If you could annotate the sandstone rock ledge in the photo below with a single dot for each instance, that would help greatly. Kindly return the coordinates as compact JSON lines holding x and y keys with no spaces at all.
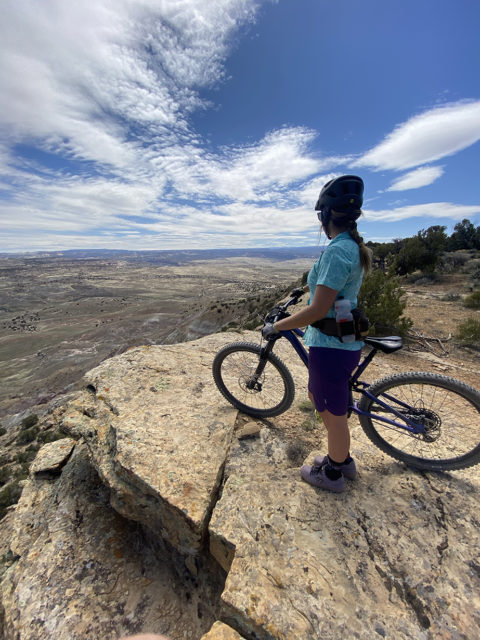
{"x":396,"y":556}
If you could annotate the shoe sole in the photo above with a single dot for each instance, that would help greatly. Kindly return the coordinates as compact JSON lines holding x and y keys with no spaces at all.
{"x":305,"y":473}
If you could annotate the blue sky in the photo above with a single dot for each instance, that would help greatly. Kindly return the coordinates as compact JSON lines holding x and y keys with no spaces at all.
{"x":176,"y":124}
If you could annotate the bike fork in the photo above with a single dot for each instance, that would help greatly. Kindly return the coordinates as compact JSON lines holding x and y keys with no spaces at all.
{"x":264,"y":353}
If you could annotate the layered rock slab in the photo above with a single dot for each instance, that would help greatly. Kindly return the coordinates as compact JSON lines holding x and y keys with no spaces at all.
{"x":81,"y":571}
{"x":221,"y":631}
{"x":158,"y":436}
{"x":396,"y":555}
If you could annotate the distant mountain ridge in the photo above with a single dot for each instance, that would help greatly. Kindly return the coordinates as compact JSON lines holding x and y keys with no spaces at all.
{"x":170,"y":256}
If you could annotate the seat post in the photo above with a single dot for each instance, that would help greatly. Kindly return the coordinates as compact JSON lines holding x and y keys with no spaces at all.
{"x":362,"y":366}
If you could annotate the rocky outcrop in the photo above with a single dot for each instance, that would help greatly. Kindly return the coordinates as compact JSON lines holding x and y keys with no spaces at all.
{"x":395,"y":556}
{"x":80,"y":570}
{"x":158,"y":437}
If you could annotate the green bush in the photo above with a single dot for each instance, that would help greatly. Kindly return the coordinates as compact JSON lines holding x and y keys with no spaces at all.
{"x":473,"y":300}
{"x":474,"y":275}
{"x":49,"y":436}
{"x":468,"y":333}
{"x":26,"y":456}
{"x":30,"y":421}
{"x":9,"y":495}
{"x":28,"y":435}
{"x":383,"y":301}
{"x":451,"y":296}
{"x":4,"y":475}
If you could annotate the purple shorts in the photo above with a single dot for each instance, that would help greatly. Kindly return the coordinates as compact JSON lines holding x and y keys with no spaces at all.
{"x":328,"y":373}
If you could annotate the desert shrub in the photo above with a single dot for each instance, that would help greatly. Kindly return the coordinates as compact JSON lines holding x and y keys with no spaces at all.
{"x":22,"y":471}
{"x":308,"y":424}
{"x":30,"y":421}
{"x":453,"y":262}
{"x":383,"y":300}
{"x":451,"y":296}
{"x":28,"y":435}
{"x":305,"y":406}
{"x":9,"y":495}
{"x":468,"y":333}
{"x":4,"y":475}
{"x":26,"y":456}
{"x":473,"y":300}
{"x":474,"y":272}
{"x":49,"y":436}
{"x":2,"y":431}
{"x":428,"y":278}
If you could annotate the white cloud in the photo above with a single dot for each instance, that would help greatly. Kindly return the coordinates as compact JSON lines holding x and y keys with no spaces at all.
{"x":109,"y":87}
{"x":430,"y":210}
{"x":434,"y":134}
{"x":280,"y":159}
{"x":418,"y":178}
{"x":78,"y":76}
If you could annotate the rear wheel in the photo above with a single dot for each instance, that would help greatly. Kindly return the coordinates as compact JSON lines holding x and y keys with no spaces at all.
{"x":261,"y":394}
{"x":448,"y":409}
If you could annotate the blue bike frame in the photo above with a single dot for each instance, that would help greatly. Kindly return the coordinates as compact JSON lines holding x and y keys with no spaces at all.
{"x":408,"y":424}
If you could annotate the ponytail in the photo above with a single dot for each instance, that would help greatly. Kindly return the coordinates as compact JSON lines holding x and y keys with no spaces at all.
{"x":347,"y":221}
{"x":365,"y":253}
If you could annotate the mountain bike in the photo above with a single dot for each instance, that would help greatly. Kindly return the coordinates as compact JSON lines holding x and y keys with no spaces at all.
{"x":426,"y":420}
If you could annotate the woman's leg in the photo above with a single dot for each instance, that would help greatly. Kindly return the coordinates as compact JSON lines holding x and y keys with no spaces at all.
{"x":338,"y":435}
{"x":329,"y":372}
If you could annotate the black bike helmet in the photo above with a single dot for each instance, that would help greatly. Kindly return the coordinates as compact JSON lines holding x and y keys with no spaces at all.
{"x":342,"y":194}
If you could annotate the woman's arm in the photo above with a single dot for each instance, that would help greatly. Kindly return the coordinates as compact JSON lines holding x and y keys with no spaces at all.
{"x":323,"y":299}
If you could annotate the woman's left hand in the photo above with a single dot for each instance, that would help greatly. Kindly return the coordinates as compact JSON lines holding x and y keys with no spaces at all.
{"x":269,"y":330}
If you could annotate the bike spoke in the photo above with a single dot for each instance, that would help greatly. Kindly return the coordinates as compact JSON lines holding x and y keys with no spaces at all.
{"x":238,"y":370}
{"x":451,"y":422}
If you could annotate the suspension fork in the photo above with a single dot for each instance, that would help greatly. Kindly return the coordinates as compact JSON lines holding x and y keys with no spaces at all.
{"x":264,"y":353}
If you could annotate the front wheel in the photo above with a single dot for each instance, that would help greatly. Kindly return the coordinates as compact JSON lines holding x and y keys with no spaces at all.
{"x":261,"y":393}
{"x":448,"y":410}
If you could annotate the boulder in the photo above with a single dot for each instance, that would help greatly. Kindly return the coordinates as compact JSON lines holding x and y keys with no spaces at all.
{"x":53,"y":456}
{"x":158,"y":437}
{"x":81,"y":571}
{"x":221,"y":631}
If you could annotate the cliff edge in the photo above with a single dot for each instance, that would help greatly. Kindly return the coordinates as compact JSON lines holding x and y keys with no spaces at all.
{"x":159,"y":466}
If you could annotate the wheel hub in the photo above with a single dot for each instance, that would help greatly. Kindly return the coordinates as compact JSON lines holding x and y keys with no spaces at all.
{"x":430,"y":421}
{"x":251,"y":384}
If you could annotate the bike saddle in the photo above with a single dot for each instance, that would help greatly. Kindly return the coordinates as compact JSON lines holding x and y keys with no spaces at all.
{"x":387,"y":345}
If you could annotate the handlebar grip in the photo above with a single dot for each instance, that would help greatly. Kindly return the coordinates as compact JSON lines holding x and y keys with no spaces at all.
{"x":296,"y":293}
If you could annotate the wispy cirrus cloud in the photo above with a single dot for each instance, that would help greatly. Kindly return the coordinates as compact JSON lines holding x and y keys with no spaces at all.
{"x":427,"y":137}
{"x":415,"y":179}
{"x":108,"y":88}
{"x":96,"y":79}
{"x":429,"y":210}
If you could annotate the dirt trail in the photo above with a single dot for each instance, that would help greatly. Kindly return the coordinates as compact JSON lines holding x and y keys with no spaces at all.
{"x":436,"y":317}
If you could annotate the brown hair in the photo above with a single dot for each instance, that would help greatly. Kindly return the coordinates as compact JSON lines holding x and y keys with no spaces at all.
{"x":347,"y":221}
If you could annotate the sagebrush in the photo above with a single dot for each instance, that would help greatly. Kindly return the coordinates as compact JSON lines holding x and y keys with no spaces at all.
{"x":383,"y":300}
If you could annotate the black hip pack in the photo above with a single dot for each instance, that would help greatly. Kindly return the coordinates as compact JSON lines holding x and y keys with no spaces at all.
{"x":359,"y":326}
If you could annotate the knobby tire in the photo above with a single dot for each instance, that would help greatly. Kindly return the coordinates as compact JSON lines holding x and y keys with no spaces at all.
{"x":450,"y":408}
{"x":233,"y":368}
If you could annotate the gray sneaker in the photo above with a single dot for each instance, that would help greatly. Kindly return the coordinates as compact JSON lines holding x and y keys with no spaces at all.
{"x":349,"y":470}
{"x":316,"y":477}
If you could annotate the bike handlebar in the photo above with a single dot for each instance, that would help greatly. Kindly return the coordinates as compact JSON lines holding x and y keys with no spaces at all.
{"x":294,"y":298}
{"x":280,"y":311}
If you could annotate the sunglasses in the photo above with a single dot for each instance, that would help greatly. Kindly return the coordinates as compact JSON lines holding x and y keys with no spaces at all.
{"x":321,"y":215}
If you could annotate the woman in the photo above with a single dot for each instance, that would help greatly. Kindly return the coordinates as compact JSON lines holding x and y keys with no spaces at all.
{"x":337,"y":273}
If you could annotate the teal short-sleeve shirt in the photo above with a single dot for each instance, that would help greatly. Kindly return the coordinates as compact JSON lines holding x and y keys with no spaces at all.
{"x":338,"y":268}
